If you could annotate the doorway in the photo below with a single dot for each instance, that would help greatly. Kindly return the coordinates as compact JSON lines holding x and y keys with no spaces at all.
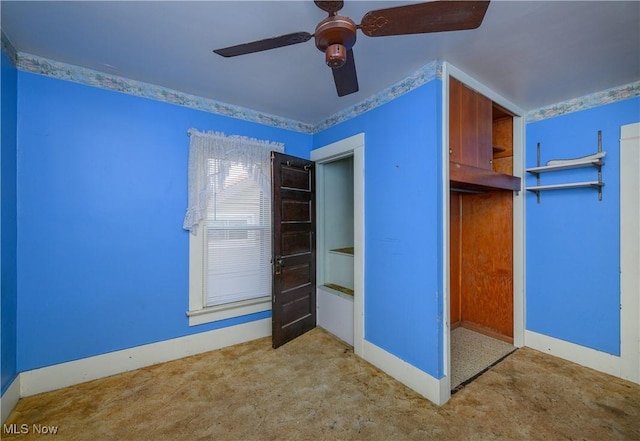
{"x":340,"y":239}
{"x":335,"y":290}
{"x":484,"y":249}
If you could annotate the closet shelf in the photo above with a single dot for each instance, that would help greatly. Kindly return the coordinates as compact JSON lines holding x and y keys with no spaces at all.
{"x":340,"y":288}
{"x":347,"y":250}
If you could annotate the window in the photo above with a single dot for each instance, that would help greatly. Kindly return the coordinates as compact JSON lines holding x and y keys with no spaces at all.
{"x":229,"y":216}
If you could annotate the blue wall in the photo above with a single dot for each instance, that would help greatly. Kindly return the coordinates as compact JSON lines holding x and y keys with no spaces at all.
{"x":102,"y":191}
{"x":8,"y":223}
{"x":403,"y":210}
{"x":572,"y":239}
{"x":102,"y":260}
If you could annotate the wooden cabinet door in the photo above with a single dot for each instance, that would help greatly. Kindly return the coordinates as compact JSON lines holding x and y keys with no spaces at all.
{"x":484,"y":123}
{"x":470,"y":126}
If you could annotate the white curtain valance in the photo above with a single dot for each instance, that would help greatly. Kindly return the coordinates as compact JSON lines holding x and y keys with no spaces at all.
{"x":205,"y":147}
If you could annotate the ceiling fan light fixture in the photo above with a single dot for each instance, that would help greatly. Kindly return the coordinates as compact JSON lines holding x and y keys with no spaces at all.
{"x":335,"y":56}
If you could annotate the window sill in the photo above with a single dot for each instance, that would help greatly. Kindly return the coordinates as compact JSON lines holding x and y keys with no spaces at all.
{"x":231,"y":310}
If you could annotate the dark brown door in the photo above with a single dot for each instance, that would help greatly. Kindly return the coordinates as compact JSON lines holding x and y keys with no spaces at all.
{"x":294,"y":247}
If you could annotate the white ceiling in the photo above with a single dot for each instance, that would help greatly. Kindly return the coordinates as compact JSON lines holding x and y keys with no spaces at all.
{"x":532,"y":53}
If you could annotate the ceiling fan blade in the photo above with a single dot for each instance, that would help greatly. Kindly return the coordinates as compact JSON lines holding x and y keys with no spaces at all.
{"x":264,"y":45}
{"x":330,"y":7}
{"x":422,"y":18}
{"x":345,"y":77}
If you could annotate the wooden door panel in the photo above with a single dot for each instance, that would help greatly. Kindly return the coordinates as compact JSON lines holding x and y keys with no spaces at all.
{"x":484,"y":128}
{"x":296,"y":242}
{"x":454,"y":258}
{"x":297,"y":305}
{"x":455,"y":140}
{"x":297,"y":276}
{"x":294,"y":210}
{"x":294,"y":254}
{"x":487,"y":262}
{"x":295,"y":178}
{"x":470,"y":126}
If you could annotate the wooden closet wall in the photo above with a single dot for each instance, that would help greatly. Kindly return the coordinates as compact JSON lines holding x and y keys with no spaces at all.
{"x":481,"y":235}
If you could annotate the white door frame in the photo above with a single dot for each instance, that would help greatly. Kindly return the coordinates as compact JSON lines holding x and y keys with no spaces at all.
{"x":629,"y":252}
{"x":518,"y":214}
{"x":352,"y":146}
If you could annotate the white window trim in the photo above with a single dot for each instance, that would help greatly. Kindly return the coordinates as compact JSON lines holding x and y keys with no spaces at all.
{"x":199,"y":314}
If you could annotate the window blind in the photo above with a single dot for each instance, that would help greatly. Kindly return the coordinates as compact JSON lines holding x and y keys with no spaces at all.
{"x":238,"y":221}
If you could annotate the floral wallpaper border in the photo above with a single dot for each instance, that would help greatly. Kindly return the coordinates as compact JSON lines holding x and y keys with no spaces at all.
{"x":607,"y":96}
{"x":422,"y":76}
{"x":430,"y":71}
{"x":8,"y":48}
{"x":43,"y":66}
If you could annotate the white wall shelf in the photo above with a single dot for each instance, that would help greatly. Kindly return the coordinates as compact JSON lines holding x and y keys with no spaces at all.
{"x":592,"y":184}
{"x":558,"y":167}
{"x":595,"y":161}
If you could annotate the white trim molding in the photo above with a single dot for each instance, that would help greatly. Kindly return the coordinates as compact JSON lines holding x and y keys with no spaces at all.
{"x":582,"y":355}
{"x":630,"y":252}
{"x":352,"y":146}
{"x":198,"y":313}
{"x":9,"y":399}
{"x":429,"y":387}
{"x":79,"y":371}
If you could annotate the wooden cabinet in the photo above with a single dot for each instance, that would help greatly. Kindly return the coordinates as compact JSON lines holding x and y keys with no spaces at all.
{"x":481,"y":239}
{"x":470,"y":126}
{"x":472,"y":134}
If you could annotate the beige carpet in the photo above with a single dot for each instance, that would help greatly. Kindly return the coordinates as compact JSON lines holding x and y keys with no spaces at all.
{"x":314,"y":388}
{"x":472,"y":353}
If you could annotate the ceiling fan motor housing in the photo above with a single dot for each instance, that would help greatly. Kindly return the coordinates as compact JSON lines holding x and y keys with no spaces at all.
{"x":334,"y":36}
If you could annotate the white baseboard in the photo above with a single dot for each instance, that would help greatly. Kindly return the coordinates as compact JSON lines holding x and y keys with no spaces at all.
{"x":74,"y":372}
{"x":591,"y":358}
{"x":9,"y":399}
{"x":429,"y":387}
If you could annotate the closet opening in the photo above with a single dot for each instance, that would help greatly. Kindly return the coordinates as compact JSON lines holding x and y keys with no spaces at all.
{"x":336,"y":251}
{"x":481,"y":236}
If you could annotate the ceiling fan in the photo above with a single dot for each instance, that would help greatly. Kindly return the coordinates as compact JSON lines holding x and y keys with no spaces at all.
{"x":336,"y":34}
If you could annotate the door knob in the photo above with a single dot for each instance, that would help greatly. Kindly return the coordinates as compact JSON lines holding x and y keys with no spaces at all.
{"x":279,"y":265}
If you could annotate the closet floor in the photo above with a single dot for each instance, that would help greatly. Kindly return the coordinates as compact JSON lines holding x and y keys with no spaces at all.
{"x":471,"y":353}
